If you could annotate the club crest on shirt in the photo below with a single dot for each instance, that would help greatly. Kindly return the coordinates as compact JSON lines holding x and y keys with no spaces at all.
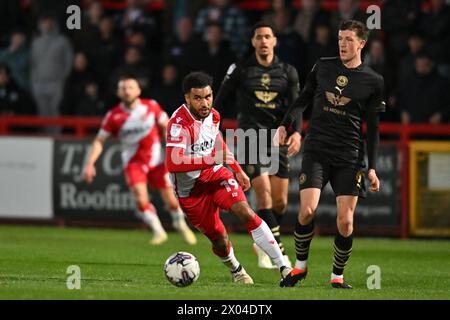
{"x":175,"y":130}
{"x":302,"y":178}
{"x":342,"y":81}
{"x":265,"y":80}
{"x":337,"y":100}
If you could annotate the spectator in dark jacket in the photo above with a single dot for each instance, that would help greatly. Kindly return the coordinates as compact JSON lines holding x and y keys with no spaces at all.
{"x":183,"y":47}
{"x":74,"y":86}
{"x":17,"y":57}
{"x":215,"y":55}
{"x":168,"y":92}
{"x":233,"y":20}
{"x":135,"y":66}
{"x":309,"y":16}
{"x":290,"y":46}
{"x":90,"y":103}
{"x":425,"y":96}
{"x":435,"y":25}
{"x":13,"y":99}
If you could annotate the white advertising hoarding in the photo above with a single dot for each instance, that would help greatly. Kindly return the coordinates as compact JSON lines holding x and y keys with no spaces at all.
{"x":439,"y":171}
{"x":26,"y":177}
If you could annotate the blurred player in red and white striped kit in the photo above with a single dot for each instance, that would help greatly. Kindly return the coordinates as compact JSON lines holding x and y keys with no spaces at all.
{"x":140,"y":125}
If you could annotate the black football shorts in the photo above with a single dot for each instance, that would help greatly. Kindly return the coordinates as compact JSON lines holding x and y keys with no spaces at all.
{"x":280,"y":167}
{"x":316,"y":172}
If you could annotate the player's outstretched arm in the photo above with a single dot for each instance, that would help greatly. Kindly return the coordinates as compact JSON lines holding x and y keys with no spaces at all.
{"x":89,"y":171}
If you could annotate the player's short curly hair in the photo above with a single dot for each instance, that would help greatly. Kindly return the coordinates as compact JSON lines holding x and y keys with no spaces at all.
{"x":196,"y":80}
{"x":262,"y":25}
{"x":358,"y":27}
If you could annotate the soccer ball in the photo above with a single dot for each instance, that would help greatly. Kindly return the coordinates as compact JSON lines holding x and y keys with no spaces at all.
{"x":182,"y":269}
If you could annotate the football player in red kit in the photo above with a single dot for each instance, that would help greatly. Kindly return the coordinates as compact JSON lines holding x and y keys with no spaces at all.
{"x":140,"y":125}
{"x":195,"y":155}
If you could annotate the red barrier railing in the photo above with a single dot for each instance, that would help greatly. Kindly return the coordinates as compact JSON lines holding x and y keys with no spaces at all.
{"x":83,"y":126}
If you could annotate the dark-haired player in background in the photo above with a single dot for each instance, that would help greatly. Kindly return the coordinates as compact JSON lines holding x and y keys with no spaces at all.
{"x":344,"y":92}
{"x":261,"y":88}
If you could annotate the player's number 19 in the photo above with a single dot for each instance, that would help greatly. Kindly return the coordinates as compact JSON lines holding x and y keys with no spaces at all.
{"x":227,"y":184}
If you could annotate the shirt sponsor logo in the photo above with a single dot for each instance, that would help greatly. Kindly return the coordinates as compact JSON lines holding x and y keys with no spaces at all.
{"x":204,"y":146}
{"x":175,"y":130}
{"x":135,"y":131}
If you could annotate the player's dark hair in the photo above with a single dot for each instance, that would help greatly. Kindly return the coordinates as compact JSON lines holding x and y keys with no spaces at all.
{"x":129,"y":77}
{"x":197,"y":80}
{"x":358,"y":27}
{"x":262,"y":24}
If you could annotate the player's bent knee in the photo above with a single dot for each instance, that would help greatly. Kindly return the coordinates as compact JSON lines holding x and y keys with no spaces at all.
{"x":306,"y":214}
{"x":172,"y":206}
{"x":280,"y":206}
{"x":142,"y":204}
{"x":345,"y":226}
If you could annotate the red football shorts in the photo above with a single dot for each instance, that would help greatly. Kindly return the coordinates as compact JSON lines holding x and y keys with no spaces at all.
{"x":202,"y":207}
{"x":157,"y":177}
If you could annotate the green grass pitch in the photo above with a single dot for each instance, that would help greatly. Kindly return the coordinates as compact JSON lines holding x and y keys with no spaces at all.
{"x":120,"y":264}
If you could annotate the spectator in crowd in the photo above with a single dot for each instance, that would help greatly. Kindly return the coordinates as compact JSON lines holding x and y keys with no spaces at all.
{"x":398,"y":20}
{"x":276,"y":6}
{"x":174,"y":10}
{"x":168,"y":92}
{"x":290,"y":46}
{"x":75,"y":83}
{"x":435,"y":26}
{"x":308,"y":17}
{"x":9,"y":16}
{"x":215,"y":56}
{"x":13,"y":99}
{"x":183,"y":47}
{"x":50,"y":65}
{"x":347,"y":10}
{"x":151,"y":57}
{"x":135,"y":66}
{"x":323,"y":45}
{"x":84,"y":38}
{"x":406,"y":66}
{"x":16,"y":56}
{"x":90,"y":102}
{"x":376,"y":58}
{"x":105,"y":52}
{"x":135,"y":17}
{"x":425,"y":96}
{"x":233,"y":20}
